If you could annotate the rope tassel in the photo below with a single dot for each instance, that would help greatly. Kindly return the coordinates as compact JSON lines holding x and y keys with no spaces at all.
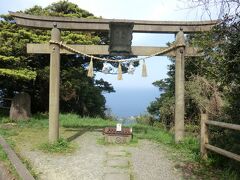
{"x":119,"y":71}
{"x":90,"y":68}
{"x":144,"y":70}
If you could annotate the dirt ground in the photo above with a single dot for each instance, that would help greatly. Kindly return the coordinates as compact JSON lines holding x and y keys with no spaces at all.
{"x":4,"y":173}
{"x":93,"y":161}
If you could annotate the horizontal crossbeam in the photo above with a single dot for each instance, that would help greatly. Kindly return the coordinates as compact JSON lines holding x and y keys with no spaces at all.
{"x":103,"y":50}
{"x":84,"y":24}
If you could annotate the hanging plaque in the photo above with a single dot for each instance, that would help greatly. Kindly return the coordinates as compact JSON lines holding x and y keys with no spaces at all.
{"x":120,"y":38}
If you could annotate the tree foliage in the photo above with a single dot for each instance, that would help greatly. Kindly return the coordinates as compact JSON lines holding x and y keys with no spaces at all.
{"x":212,"y":83}
{"x":205,"y":94}
{"x":163,"y":107}
{"x":20,"y":71}
{"x":221,"y":7}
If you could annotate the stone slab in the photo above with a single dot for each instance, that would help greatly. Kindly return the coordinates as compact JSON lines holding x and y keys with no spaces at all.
{"x":116,"y":170}
{"x":116,"y":176}
{"x":117,"y":139}
{"x":119,"y":162}
{"x":117,"y":153}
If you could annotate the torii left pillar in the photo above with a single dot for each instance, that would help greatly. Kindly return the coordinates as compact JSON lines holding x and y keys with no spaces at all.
{"x":54,"y":86}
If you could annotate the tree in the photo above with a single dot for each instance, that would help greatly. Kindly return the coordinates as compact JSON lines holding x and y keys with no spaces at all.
{"x":212,"y":82}
{"x":30,"y":73}
{"x":230,"y":8}
{"x":163,"y":107}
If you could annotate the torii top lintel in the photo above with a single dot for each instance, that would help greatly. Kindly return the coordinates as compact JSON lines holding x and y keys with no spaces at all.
{"x":83,"y":24}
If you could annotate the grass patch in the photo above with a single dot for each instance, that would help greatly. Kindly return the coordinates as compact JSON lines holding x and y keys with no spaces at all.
{"x":152,"y":133}
{"x":102,"y":141}
{"x":30,"y":168}
{"x":132,"y":176}
{"x":4,"y":159}
{"x":37,"y":121}
{"x":189,"y":147}
{"x":186,"y":153}
{"x":75,"y":121}
{"x":6,"y":162}
{"x":62,"y":146}
{"x":128,"y":154}
{"x":24,"y":135}
{"x":34,"y":133}
{"x":3,"y":155}
{"x":134,"y":141}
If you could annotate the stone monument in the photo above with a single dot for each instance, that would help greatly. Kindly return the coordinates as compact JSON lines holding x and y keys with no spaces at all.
{"x":20,"y":107}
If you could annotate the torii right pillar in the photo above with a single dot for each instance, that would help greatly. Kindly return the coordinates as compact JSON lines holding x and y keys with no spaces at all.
{"x":179,"y":88}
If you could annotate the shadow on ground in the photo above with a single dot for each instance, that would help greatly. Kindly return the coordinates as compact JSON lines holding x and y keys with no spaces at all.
{"x":80,"y":132}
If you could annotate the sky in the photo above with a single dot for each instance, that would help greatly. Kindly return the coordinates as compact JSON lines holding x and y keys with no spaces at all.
{"x":161,"y":10}
{"x":120,"y":9}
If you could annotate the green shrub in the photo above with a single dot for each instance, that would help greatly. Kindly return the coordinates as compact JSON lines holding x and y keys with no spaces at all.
{"x":145,"y":119}
{"x":61,"y":146}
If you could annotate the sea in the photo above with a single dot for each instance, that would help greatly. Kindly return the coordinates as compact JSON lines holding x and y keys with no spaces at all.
{"x":127,"y":103}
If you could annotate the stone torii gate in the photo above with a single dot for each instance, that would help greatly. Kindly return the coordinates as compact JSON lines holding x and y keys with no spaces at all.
{"x":81,"y":24}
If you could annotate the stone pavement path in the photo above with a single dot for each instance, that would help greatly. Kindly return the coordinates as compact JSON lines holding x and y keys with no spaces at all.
{"x":93,"y":161}
{"x":117,"y":166}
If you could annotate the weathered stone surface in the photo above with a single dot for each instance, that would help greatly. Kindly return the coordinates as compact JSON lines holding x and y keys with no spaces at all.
{"x":118,"y":139}
{"x":76,"y":24}
{"x":120,"y":38}
{"x":21,"y":107}
{"x":118,"y":162}
{"x":116,"y":176}
{"x":112,"y":170}
{"x":117,"y":153}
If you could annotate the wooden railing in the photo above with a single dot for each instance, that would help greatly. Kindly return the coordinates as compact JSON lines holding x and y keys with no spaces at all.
{"x":204,"y":137}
